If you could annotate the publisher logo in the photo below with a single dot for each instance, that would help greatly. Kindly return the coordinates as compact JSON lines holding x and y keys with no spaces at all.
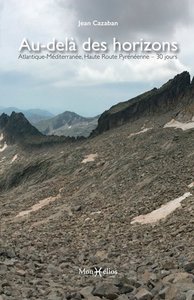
{"x":97,"y":272}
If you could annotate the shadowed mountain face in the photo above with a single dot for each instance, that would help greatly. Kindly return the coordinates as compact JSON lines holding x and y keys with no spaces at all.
{"x":68,"y":124}
{"x":120,"y":203}
{"x":16,"y":128}
{"x":172,"y":96}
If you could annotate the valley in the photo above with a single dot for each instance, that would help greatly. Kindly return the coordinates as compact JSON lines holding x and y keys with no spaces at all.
{"x":72,"y":204}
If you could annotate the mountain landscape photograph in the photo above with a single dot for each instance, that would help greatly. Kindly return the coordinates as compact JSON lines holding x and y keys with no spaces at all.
{"x":96,"y":152}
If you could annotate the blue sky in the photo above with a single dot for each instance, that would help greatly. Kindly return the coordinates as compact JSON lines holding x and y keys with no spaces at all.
{"x":88,"y":87}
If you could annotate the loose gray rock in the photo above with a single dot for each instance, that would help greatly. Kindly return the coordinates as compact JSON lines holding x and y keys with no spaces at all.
{"x":123,"y":297}
{"x":143,"y":294}
{"x":107,"y":290}
{"x":190,"y":295}
{"x":87,"y":291}
{"x":162,"y":293}
{"x":189,"y":266}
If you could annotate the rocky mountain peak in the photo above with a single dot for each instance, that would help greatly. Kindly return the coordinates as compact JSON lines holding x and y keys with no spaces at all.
{"x":171,"y":96}
{"x":69,"y":118}
{"x":16,"y":127}
{"x":68,"y":124}
{"x":3,"y":120}
{"x":181,"y":82}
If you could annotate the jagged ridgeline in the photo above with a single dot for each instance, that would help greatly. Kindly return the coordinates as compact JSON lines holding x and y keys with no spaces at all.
{"x":17,"y":129}
{"x":175,"y":95}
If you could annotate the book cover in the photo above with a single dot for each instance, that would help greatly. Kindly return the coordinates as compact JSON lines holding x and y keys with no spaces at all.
{"x":96,"y":150}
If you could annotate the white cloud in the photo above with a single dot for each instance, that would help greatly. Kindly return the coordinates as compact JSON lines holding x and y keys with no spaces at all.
{"x":45,"y":19}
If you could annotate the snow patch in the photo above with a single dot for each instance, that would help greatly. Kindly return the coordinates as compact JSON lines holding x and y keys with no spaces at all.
{"x":14,"y":158}
{"x":176,"y":124}
{"x":5,"y":144}
{"x":89,"y":158}
{"x":87,"y":219}
{"x":161,"y":212}
{"x":140,"y":132}
{"x":191,"y":185}
{"x":4,"y":147}
{"x":96,"y":212}
{"x":38,"y":206}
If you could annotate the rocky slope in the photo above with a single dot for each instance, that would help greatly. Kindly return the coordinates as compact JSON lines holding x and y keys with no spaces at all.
{"x":68,"y":124}
{"x":67,"y":215}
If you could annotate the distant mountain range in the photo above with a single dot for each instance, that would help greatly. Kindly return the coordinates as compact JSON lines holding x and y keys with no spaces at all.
{"x":33,"y":115}
{"x":68,"y":124}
